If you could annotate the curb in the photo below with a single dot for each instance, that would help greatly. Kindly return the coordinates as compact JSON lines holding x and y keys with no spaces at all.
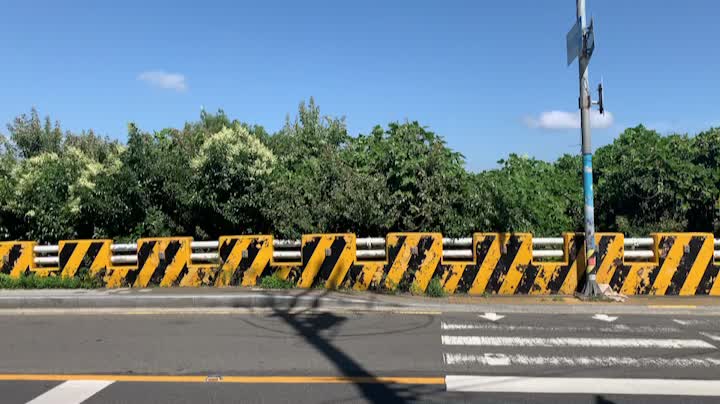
{"x":68,"y":300}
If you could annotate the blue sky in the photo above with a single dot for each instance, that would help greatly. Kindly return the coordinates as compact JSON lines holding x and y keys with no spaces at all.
{"x":480,"y":73}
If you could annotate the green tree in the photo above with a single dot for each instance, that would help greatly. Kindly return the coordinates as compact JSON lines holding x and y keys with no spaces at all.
{"x":230,"y":172}
{"x":32,"y":138}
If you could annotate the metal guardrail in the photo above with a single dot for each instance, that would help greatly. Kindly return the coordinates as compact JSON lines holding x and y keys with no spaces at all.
{"x":368,"y":248}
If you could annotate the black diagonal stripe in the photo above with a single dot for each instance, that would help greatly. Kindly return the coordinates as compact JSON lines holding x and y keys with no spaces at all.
{"x":603,"y":246}
{"x":440,"y":271}
{"x":131,"y":276}
{"x":618,"y":278}
{"x":226,"y":249}
{"x":253,"y":250}
{"x":355,"y":273}
{"x":394,"y":250}
{"x":308,"y":249}
{"x":13,"y":256}
{"x":336,"y":250}
{"x":559,"y":277}
{"x":708,"y":279}
{"x":170,"y":252}
{"x":471,"y":271}
{"x":66,"y":253}
{"x":664,"y":247}
{"x":685,"y":265}
{"x":416,"y":260}
{"x":503,"y":265}
{"x":93,"y":252}
{"x":530,"y":273}
{"x":144,"y":253}
{"x":184,"y":271}
{"x":574,"y":254}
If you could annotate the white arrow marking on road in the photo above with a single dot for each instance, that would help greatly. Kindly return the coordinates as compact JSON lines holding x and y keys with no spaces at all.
{"x":604,"y":317}
{"x":681,"y":322}
{"x":491,"y":316}
{"x":711,"y":336}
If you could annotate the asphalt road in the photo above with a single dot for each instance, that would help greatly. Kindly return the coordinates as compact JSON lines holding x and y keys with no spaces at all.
{"x":271,"y":357}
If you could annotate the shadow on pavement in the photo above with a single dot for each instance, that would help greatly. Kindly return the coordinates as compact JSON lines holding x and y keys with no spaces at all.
{"x":311,"y":326}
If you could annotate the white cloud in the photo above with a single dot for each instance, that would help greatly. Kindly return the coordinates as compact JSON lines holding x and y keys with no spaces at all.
{"x":568,"y":120}
{"x":164,"y":80}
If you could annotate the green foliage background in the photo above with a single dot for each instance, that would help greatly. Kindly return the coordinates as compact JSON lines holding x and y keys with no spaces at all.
{"x":218,"y":176}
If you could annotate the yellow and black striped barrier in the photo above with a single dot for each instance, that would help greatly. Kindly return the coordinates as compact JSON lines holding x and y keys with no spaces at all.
{"x":16,"y":257}
{"x":91,"y":254}
{"x":412,"y":259}
{"x":500,"y":263}
{"x":682,"y":264}
{"x":326,"y":259}
{"x":243,"y":259}
{"x":161,"y":261}
{"x":504,"y":265}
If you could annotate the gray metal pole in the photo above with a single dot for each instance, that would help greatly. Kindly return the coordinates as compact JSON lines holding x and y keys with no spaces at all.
{"x":591,"y":287}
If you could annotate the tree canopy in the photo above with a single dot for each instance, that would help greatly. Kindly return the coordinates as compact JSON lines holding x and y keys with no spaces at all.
{"x":218,"y":176}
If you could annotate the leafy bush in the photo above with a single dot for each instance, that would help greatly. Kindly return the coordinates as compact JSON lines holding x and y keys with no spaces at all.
{"x":435,"y":288}
{"x":275,"y":282}
{"x":49,"y":282}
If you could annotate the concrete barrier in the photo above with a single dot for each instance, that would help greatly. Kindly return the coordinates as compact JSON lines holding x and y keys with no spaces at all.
{"x":486,"y":263}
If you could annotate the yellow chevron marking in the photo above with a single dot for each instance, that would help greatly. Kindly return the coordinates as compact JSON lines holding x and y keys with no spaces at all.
{"x":432,"y":259}
{"x":369,"y":271}
{"x":312,"y":266}
{"x":399,"y":266}
{"x":615,"y":250}
{"x":670,"y":265}
{"x":342,"y":266}
{"x":702,"y":263}
{"x":486,"y":267}
{"x":514,"y":273}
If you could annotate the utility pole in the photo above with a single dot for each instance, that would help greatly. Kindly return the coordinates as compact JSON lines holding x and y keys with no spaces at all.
{"x":581,"y":43}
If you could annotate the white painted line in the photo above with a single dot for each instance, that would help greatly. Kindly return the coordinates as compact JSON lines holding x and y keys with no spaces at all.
{"x":690,"y":322}
{"x":616,"y":328}
{"x":498,"y":359}
{"x":711,"y":336}
{"x":71,"y":392}
{"x":575,"y":342}
{"x":583,"y":385}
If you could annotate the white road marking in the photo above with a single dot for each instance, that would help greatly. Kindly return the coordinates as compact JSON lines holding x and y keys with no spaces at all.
{"x":583,"y":385}
{"x":689,"y":322}
{"x":497,"y":359}
{"x":575,"y":342}
{"x":711,"y":336}
{"x":616,"y":328}
{"x":71,"y":392}
{"x":491,"y":316}
{"x":604,"y":317}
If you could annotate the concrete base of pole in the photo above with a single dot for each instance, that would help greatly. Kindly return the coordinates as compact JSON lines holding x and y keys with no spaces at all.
{"x":591,"y":290}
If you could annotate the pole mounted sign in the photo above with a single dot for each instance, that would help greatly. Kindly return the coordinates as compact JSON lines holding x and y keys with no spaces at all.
{"x":578,"y":43}
{"x":574,"y":42}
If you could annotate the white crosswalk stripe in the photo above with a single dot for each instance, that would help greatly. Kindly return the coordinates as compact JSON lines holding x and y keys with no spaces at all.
{"x":71,"y":392}
{"x":481,"y":345}
{"x":498,"y":359}
{"x":484,"y":340}
{"x":616,"y":328}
